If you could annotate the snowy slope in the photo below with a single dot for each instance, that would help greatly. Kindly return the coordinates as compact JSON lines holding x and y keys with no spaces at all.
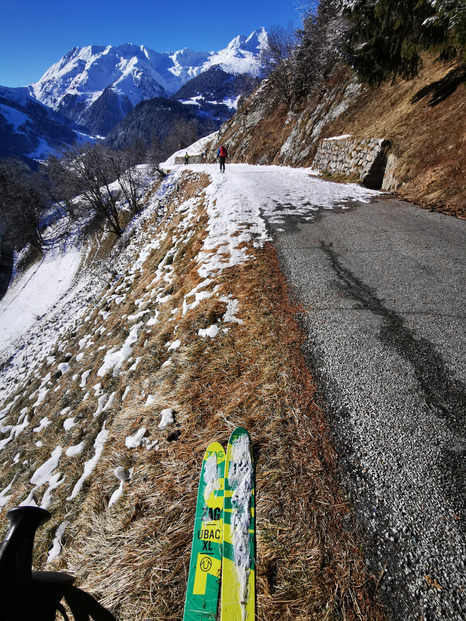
{"x":28,"y":128}
{"x":239,"y":205}
{"x":242,"y":55}
{"x":84,"y":73}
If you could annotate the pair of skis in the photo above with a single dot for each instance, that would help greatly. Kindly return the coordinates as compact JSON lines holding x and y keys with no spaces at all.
{"x":223,"y":550}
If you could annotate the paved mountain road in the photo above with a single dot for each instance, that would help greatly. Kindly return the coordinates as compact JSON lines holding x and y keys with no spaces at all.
{"x":382,"y":285}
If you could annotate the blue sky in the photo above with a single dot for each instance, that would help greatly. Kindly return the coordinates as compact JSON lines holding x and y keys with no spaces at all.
{"x":34,"y":34}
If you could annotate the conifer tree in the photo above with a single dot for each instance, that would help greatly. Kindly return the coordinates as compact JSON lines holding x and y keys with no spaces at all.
{"x":386,"y":37}
{"x":319,"y":45}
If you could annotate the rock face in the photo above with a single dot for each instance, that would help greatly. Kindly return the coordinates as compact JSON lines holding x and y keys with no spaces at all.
{"x":365,"y":159}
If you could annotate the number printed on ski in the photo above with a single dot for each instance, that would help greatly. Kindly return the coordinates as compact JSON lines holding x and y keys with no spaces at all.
{"x":238,"y":590}
{"x":206,"y":554}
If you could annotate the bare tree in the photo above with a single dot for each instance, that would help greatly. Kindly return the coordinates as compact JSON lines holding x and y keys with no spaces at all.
{"x":183,"y":133}
{"x":64,"y":188}
{"x":278,"y":61}
{"x":89,"y":172}
{"x":22,"y":201}
{"x":129,"y":178}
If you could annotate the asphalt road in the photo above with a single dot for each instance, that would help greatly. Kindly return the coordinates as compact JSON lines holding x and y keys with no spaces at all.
{"x":383,"y":287}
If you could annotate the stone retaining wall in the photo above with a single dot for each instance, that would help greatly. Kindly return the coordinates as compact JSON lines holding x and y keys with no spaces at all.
{"x":351,"y":157}
{"x":193,"y":159}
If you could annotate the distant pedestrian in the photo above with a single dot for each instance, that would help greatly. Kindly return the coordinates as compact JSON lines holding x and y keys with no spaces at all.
{"x":222,"y":154}
{"x":186,"y":159}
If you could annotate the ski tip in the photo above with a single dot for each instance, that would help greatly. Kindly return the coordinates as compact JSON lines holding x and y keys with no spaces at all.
{"x":214,"y":447}
{"x":239,"y":431}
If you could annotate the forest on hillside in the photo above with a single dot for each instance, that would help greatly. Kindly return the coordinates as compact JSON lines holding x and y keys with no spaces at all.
{"x":380,"y":40}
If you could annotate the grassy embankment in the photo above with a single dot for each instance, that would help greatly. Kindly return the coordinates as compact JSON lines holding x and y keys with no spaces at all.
{"x":134,"y":555}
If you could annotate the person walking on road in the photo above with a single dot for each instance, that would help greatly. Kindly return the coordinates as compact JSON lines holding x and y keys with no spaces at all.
{"x":222,"y":154}
{"x":186,"y":159}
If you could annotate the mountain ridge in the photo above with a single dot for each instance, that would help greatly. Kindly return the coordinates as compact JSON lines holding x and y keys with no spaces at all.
{"x":134,"y":73}
{"x":29,"y":128}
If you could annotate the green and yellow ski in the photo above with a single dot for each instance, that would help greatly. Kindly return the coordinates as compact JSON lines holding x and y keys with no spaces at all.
{"x":206,"y":554}
{"x":238,"y":590}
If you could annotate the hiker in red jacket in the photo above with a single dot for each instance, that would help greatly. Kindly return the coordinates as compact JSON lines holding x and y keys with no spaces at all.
{"x":222,"y":154}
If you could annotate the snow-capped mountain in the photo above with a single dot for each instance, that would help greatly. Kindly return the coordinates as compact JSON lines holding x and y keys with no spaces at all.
{"x":97,"y":86}
{"x":242,"y":56}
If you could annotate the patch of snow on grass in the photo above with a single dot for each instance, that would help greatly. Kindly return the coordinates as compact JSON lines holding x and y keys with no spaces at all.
{"x":232,"y":307}
{"x":153,"y":320}
{"x":14,"y":430}
{"x":69,"y":424}
{"x":136,"y":439}
{"x":102,"y":402}
{"x":115,"y":359}
{"x":122,"y":475}
{"x":44,"y":475}
{"x":211,"y":331}
{"x":42,"y":391}
{"x":6,"y":410}
{"x":84,"y":377}
{"x":56,"y":545}
{"x":44,"y":422}
{"x":77,"y":449}
{"x":91,"y":463}
{"x":4,"y":496}
{"x":64,"y":367}
{"x":167,"y":418}
{"x":134,"y":366}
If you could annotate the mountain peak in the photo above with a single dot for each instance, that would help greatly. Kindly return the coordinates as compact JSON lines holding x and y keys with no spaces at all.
{"x":95,"y":86}
{"x":257,"y":40}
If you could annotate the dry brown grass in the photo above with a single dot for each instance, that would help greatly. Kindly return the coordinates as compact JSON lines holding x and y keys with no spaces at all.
{"x":428,"y":138}
{"x":134,"y":556}
{"x":262,"y":144}
{"x":309,"y":563}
